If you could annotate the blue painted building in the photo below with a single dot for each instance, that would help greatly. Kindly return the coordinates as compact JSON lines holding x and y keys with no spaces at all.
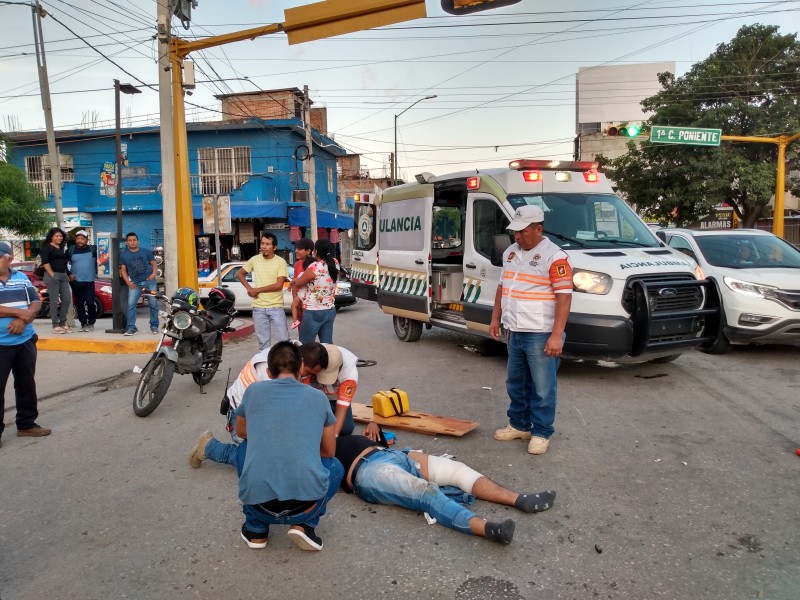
{"x":257,"y":162}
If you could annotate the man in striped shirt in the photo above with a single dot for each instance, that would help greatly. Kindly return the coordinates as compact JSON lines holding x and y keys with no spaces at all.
{"x":532,"y":302}
{"x":19,"y":305}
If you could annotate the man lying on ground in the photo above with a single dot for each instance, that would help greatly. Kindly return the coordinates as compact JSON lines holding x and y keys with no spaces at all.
{"x":414,"y":480}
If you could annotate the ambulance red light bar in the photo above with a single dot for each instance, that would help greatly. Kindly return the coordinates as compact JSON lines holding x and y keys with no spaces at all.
{"x":473,"y":183}
{"x":591,"y":176}
{"x":361,"y":197}
{"x":552,"y":165}
{"x":532,"y":176}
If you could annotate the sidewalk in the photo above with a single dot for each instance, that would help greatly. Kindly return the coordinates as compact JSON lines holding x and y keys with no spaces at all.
{"x":99,"y":341}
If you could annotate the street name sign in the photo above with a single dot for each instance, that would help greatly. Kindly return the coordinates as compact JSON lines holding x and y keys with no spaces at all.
{"x":694,"y":136}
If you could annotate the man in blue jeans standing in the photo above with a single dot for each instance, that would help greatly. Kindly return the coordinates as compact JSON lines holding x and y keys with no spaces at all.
{"x":532,"y":302}
{"x":287,"y":466}
{"x":138,"y":267}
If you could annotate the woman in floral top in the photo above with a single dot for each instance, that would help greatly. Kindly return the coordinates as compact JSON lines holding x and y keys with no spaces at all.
{"x":318,"y":304}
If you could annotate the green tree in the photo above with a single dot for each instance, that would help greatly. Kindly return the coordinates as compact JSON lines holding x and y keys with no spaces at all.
{"x":22,"y":207}
{"x":747,"y":87}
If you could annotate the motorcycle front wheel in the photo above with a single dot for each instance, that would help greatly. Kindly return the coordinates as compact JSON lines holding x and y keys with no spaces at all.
{"x":210,"y":365}
{"x":153,"y":385}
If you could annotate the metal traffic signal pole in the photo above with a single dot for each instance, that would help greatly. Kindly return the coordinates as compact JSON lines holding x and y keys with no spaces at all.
{"x":303,"y":23}
{"x":780,"y":178}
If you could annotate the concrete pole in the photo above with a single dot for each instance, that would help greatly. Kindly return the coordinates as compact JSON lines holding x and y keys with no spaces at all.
{"x":309,"y":167}
{"x":41,"y":62}
{"x":167,"y":145}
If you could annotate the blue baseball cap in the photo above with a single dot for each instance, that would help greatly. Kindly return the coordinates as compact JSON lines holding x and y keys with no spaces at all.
{"x":5,"y":248}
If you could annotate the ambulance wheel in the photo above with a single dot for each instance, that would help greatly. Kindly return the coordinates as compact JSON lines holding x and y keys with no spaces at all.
{"x":407,"y":330}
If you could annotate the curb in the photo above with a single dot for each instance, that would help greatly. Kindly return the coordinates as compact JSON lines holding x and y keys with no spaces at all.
{"x":121,"y":346}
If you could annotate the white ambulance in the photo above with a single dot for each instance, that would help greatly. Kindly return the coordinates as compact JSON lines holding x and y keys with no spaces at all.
{"x":430,"y":253}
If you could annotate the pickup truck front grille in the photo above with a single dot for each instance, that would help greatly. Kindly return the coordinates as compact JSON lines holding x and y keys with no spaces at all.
{"x":664,"y":298}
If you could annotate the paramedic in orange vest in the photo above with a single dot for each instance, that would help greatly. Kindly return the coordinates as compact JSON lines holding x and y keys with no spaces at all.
{"x":532,"y":303}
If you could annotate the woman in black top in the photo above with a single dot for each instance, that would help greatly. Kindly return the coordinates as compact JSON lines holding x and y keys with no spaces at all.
{"x":56,"y":277}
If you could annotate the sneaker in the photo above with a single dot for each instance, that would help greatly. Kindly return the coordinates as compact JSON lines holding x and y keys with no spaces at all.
{"x":59,"y":329}
{"x":510,"y":433}
{"x":249,"y":537}
{"x":199,"y":451}
{"x":538,"y":445}
{"x":83,"y":329}
{"x":154,"y":330}
{"x":131,"y":332}
{"x":90,"y":328}
{"x":35,"y":431}
{"x":306,"y":539}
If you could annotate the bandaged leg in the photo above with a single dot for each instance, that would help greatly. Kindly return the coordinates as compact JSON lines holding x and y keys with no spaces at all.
{"x":443,"y":471}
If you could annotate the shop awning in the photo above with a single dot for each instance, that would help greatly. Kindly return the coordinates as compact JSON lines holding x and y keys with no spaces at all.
{"x":250,"y":210}
{"x":299,"y":217}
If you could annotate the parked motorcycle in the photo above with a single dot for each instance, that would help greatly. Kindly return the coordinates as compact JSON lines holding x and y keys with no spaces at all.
{"x":196,"y":343}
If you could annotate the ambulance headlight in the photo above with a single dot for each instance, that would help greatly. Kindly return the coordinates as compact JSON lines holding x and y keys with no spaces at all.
{"x":590,"y":282}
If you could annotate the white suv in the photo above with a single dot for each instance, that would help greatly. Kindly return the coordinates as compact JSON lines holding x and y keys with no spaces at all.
{"x":758,"y":276}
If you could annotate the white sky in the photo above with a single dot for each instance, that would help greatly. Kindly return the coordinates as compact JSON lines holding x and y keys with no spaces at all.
{"x":505,"y":79}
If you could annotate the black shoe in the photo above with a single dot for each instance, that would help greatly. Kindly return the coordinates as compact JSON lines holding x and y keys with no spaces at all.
{"x":248,"y":536}
{"x":306,"y":539}
{"x":502,"y":532}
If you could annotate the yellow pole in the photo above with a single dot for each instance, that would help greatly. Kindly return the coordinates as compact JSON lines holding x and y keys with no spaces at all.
{"x":187,"y":254}
{"x":780,"y":177}
{"x":780,"y":186}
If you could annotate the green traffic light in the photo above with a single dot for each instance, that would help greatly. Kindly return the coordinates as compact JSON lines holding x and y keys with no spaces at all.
{"x":633,"y":130}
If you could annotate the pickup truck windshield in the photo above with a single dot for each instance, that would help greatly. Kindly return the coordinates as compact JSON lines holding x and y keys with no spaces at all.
{"x":589,"y":220}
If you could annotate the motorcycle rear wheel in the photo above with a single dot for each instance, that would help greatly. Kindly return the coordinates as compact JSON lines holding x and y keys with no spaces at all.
{"x":210,"y":365}
{"x":153,"y":385}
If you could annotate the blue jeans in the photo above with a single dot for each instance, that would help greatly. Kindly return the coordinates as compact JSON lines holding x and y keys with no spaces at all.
{"x":133,"y":299}
{"x":259,"y":522}
{"x":531,"y":384}
{"x":263,"y":319}
{"x":220,"y":452}
{"x":317,"y":323}
{"x":390,"y":477}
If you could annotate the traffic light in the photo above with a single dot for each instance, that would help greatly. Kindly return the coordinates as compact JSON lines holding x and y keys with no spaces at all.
{"x":465,"y":7}
{"x":629,"y":130}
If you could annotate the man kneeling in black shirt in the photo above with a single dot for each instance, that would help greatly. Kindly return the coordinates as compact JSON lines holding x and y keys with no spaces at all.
{"x":382,"y":476}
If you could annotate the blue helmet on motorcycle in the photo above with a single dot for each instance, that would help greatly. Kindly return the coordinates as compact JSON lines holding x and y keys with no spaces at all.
{"x":185,"y":299}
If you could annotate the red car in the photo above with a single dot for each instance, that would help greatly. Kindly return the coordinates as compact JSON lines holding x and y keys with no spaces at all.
{"x":102,"y":291}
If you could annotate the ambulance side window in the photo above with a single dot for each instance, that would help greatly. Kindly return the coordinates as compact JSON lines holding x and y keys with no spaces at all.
{"x":489,"y":220}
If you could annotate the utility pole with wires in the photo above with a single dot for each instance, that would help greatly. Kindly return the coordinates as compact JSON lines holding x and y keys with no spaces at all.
{"x":53,"y":162}
{"x":169,"y":213}
{"x":309,"y":165}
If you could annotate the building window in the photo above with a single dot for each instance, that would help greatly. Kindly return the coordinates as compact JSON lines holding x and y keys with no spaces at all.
{"x":37,"y":168}
{"x":330,"y":180}
{"x":222,"y":170}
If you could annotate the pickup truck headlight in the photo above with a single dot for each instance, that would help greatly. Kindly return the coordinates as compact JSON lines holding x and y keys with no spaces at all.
{"x":591,"y":282}
{"x":751,"y":289}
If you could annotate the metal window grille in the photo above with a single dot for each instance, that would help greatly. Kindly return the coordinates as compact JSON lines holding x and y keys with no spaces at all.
{"x":37,"y":169}
{"x":221,"y":170}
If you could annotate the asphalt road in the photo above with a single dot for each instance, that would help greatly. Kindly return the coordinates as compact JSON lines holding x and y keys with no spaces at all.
{"x":674,"y":481}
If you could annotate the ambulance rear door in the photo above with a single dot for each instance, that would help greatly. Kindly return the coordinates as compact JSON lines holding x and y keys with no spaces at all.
{"x":404,"y":258}
{"x":364,"y":259}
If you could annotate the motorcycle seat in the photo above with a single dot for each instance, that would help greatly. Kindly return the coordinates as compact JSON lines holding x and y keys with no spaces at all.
{"x":218,"y":320}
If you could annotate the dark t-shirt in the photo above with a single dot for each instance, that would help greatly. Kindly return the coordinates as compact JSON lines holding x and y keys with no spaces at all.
{"x":138,"y":264}
{"x":57,"y":257}
{"x":348,"y":447}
